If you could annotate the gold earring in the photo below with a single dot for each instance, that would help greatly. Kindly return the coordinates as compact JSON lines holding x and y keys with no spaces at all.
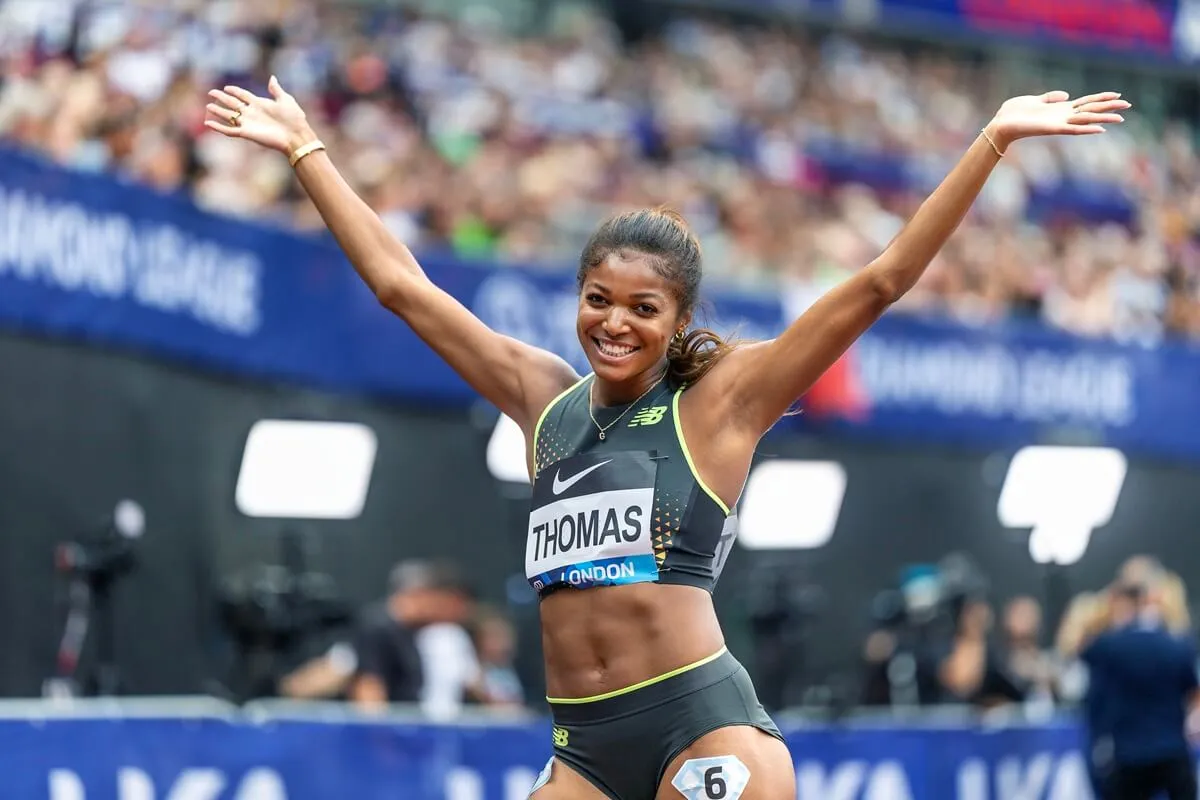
{"x":679,"y":335}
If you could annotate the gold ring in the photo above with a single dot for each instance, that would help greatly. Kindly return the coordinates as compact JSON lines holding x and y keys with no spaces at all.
{"x":234,"y":119}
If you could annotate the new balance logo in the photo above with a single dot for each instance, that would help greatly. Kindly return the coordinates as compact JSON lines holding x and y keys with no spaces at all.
{"x":560,"y":737}
{"x":648,"y":416}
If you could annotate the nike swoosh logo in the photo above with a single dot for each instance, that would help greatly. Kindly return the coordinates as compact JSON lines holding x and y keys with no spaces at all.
{"x":561,"y":486}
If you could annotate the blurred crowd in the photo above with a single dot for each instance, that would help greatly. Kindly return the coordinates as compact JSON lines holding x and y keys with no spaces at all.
{"x":796,"y":156}
{"x":958,"y":651}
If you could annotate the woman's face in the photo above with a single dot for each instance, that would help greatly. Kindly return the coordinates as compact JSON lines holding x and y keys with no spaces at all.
{"x":627,"y":316}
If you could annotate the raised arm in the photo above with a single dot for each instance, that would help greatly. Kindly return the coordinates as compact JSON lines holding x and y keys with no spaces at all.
{"x":761,"y":381}
{"x":518,"y":378}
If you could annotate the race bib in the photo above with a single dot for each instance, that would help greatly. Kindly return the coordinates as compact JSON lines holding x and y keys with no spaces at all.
{"x":590,"y":522}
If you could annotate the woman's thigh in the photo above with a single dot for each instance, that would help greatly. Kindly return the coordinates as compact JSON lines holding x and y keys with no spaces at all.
{"x":733,"y":763}
{"x":566,"y":784}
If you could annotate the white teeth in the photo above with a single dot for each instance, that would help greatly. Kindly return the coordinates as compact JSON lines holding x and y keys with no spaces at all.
{"x":615,"y":350}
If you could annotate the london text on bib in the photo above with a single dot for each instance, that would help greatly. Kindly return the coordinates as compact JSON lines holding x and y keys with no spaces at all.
{"x":590,"y":522}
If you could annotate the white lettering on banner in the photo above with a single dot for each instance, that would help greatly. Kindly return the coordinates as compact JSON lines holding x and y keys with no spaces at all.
{"x":852,"y":780}
{"x":516,"y":307}
{"x":65,"y":785}
{"x":158,"y":265}
{"x":1042,"y":777}
{"x":463,"y":783}
{"x":517,"y":783}
{"x":1036,"y":386}
{"x":1017,"y":781}
{"x":192,"y":784}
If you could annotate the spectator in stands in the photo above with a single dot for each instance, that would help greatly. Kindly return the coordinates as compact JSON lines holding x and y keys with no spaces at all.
{"x":1075,"y":631}
{"x":469,"y":139}
{"x":412,"y":647}
{"x":1167,"y":594}
{"x":1031,"y":668}
{"x":974,"y":671}
{"x":1142,"y":683}
{"x":1089,"y":616}
{"x":1173,"y":603}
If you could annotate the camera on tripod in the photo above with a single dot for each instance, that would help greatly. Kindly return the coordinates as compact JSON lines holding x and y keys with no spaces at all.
{"x":92,"y":566}
{"x":271,"y":611}
{"x":918,"y":620}
{"x":930,"y":599}
{"x":109,"y":553}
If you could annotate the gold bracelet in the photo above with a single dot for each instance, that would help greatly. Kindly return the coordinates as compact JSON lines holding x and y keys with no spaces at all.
{"x":305,"y":150}
{"x":989,"y":141}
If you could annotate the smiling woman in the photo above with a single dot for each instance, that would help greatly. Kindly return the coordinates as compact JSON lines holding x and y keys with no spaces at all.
{"x":630,"y":526}
{"x":619,"y":256}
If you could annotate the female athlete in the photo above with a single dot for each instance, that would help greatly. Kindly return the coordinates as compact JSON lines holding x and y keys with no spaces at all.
{"x":637,"y":468}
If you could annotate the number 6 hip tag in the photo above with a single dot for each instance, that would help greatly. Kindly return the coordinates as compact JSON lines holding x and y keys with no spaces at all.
{"x":717,"y":778}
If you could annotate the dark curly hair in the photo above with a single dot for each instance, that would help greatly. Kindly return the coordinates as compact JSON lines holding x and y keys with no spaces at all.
{"x":663,"y":236}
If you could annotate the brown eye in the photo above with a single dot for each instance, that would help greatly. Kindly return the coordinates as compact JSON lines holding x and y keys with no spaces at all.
{"x":647,"y":310}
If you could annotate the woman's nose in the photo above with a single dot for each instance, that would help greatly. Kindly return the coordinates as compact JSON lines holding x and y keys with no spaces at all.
{"x":615,"y":323}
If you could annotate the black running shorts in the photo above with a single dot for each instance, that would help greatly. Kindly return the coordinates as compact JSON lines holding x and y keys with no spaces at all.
{"x":624,"y":742}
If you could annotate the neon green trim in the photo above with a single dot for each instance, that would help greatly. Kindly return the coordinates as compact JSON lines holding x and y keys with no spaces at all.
{"x":688,"y":456}
{"x":636,"y":686}
{"x":546,"y":411}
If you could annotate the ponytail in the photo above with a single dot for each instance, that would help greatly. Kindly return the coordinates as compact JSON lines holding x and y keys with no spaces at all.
{"x":692,"y":355}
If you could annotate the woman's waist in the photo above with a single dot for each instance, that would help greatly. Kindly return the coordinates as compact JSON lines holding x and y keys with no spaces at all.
{"x":612,"y":639}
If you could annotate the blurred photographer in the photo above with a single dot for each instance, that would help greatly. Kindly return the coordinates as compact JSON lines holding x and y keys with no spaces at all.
{"x":412,"y":647}
{"x":974,"y":671}
{"x":418,"y":627}
{"x":931,"y":645}
{"x":971,"y":667}
{"x":1142,"y":683}
{"x":900,"y":655}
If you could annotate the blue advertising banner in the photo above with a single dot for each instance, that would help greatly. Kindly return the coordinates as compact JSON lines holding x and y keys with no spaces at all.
{"x":1152,"y":30}
{"x":1137,"y":27}
{"x":84,"y":256}
{"x":223,"y":759}
{"x":89,"y":258}
{"x":1015,"y":383}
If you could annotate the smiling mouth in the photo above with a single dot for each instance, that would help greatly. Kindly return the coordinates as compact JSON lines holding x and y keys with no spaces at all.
{"x":613,"y":349}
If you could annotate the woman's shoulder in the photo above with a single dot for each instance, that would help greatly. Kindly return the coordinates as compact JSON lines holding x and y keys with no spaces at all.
{"x":550,"y":386}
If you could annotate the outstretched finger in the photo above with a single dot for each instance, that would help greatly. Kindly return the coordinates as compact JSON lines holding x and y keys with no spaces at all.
{"x":1088,"y":118}
{"x":1105,"y":105}
{"x":1095,"y":98}
{"x":1081,"y":130}
{"x":221,"y":112}
{"x":241,"y":94}
{"x":220,"y":127}
{"x":1057,"y":96}
{"x":276,"y":90}
{"x":227,"y":100}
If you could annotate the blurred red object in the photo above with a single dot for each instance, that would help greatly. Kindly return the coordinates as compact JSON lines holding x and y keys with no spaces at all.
{"x":839,"y":393}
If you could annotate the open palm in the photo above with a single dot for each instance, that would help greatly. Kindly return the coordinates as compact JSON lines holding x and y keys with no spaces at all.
{"x":1055,"y":113}
{"x":276,"y":122}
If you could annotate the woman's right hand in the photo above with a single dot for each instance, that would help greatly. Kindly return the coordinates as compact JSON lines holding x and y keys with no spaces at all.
{"x":276,"y":122}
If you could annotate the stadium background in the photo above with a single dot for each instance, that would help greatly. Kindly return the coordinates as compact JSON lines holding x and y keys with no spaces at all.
{"x":159,"y":295}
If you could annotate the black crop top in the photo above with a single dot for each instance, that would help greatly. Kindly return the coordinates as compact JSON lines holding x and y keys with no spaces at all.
{"x":625,"y":507}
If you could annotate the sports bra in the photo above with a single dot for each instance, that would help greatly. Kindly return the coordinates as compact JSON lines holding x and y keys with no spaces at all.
{"x":623,"y":507}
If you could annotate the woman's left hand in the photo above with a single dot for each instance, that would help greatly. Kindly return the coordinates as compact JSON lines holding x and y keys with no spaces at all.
{"x":1054,"y":113}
